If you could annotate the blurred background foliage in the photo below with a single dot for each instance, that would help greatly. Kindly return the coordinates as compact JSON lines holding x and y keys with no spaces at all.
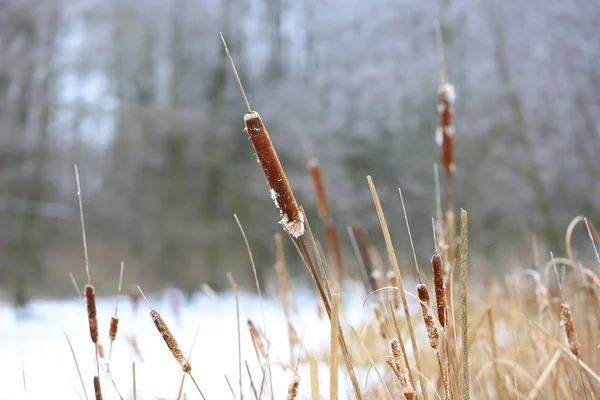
{"x":140,"y":95}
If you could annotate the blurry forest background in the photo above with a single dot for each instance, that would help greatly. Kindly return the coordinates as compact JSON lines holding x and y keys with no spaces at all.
{"x":141,"y":96}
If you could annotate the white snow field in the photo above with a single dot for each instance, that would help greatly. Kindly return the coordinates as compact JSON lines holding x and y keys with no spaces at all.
{"x":36,"y":362}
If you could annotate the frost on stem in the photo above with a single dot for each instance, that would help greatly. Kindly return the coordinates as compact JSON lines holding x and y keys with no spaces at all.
{"x":281,"y":192}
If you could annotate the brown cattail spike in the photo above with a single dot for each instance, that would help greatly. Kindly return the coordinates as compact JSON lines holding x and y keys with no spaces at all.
{"x":293,"y":389}
{"x":317,"y":178}
{"x":445,"y":130}
{"x":400,"y":367}
{"x":432,"y":332}
{"x":97,"y":390}
{"x":90,"y":301}
{"x":281,"y":192}
{"x":440,"y":288}
{"x":163,"y":329}
{"x":257,"y":339}
{"x":114,"y":326}
{"x":566,"y":320}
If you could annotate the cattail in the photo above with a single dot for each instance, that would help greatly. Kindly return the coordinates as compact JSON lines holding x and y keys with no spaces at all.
{"x":114,"y":326}
{"x":566,"y":320}
{"x":90,"y":301}
{"x":256,"y":339}
{"x":391,"y":278}
{"x":445,"y":130}
{"x":399,"y":367}
{"x":281,"y":192}
{"x":375,"y":279}
{"x":384,"y":328}
{"x":97,"y":389}
{"x":440,"y":288}
{"x":317,"y":178}
{"x":170,"y":340}
{"x":293,"y":389}
{"x":432,"y":332}
{"x":100,"y":349}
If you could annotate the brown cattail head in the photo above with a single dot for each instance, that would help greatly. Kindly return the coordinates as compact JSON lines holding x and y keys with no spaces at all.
{"x":257,"y":339}
{"x":100,"y":349}
{"x":393,"y":282}
{"x":114,"y":326}
{"x":566,"y":320}
{"x":293,"y":389}
{"x":440,"y":288}
{"x":445,"y":130}
{"x":90,"y":301}
{"x":432,"y":333}
{"x":97,"y":389}
{"x":163,"y":329}
{"x":317,"y":178}
{"x":281,"y":192}
{"x":134,"y":296}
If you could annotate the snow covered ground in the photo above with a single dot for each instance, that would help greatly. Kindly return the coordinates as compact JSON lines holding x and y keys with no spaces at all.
{"x":36,"y":362}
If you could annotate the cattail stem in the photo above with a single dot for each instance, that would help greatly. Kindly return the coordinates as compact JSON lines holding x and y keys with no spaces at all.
{"x":464,"y":302}
{"x":314,"y":378}
{"x":333,"y":351}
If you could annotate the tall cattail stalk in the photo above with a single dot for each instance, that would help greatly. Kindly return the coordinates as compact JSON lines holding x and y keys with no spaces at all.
{"x":314,"y":378}
{"x":281,"y":191}
{"x":464,"y":302}
{"x":334,"y":346}
{"x":393,"y":282}
{"x":445,"y":138}
{"x":333,"y":243}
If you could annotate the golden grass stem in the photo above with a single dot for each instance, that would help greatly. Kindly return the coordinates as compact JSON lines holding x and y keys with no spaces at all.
{"x":464,"y":302}
{"x":314,"y":378}
{"x":539,"y":383}
{"x":394,"y":262}
{"x":334,"y":346}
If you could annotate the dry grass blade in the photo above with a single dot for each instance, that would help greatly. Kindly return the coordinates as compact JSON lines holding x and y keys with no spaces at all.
{"x":76,"y":364}
{"x":134,"y":380}
{"x":334,"y":346}
{"x":588,"y":224}
{"x":314,"y":378}
{"x":394,"y":262}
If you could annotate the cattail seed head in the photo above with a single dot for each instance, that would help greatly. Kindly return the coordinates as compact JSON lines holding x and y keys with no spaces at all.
{"x":257,"y":339}
{"x":281,"y":192}
{"x":114,"y":326}
{"x":90,"y":301}
{"x":169,"y":339}
{"x":97,"y":389}
{"x":409,"y":393}
{"x":432,"y":332}
{"x":399,"y":365}
{"x":393,"y":282}
{"x":445,"y":130}
{"x":293,"y":389}
{"x":440,"y":288}
{"x":566,"y":320}
{"x":317,"y":178}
